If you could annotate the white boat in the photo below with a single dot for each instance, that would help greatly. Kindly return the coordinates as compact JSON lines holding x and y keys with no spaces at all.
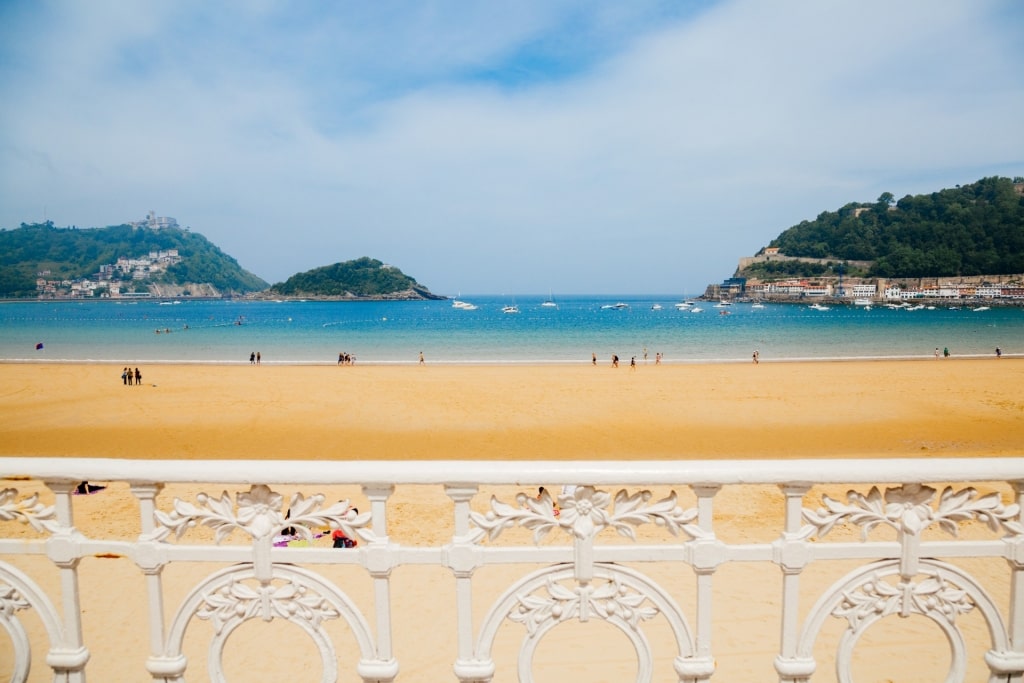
{"x":684,"y":305}
{"x":510,"y":309}
{"x":758,"y":306}
{"x":862,"y":302}
{"x":818,"y":307}
{"x":723,"y":304}
{"x":463,"y":305}
{"x":656,"y":307}
{"x":550,"y":302}
{"x":616,"y":306}
{"x":696,"y":309}
{"x":980,"y":308}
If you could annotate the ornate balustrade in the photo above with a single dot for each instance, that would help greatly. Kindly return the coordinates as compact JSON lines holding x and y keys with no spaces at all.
{"x":693,"y":570}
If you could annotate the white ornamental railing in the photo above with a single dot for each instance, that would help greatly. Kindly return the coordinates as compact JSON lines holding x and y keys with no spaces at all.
{"x":646,"y":548}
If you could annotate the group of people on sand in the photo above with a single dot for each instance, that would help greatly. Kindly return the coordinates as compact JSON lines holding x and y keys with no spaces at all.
{"x":345,"y":358}
{"x":129,"y":377}
{"x":255,"y":358}
{"x":632,"y":360}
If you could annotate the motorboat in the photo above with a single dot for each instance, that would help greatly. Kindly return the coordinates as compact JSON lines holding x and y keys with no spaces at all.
{"x":619,"y":305}
{"x":656,"y":307}
{"x":510,"y":309}
{"x":463,"y":305}
{"x":758,"y":306}
{"x":684,"y":305}
{"x":980,"y":308}
{"x":862,"y":302}
{"x":818,"y":307}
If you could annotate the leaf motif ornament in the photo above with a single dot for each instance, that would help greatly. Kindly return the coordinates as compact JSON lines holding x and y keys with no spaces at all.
{"x":27,"y":511}
{"x":908,"y":509}
{"x":584,"y":514}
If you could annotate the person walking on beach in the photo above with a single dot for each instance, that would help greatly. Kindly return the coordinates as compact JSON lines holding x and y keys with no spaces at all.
{"x":945,"y":352}
{"x":257,"y":358}
{"x":645,"y":355}
{"x":138,"y":377}
{"x":421,"y":358}
{"x":757,"y":356}
{"x":124,"y":376}
{"x":252,"y":358}
{"x":131,"y":376}
{"x":615,"y":360}
{"x":593,"y":359}
{"x":936,"y":353}
{"x":999,"y":352}
{"x":632,"y":363}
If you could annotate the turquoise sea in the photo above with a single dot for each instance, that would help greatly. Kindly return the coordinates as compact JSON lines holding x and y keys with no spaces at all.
{"x":308,"y":332}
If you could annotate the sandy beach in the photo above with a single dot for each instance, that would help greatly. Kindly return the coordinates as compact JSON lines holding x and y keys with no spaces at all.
{"x":881,"y":409}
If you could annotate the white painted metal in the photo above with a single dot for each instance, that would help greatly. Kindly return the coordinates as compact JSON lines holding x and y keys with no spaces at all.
{"x":581,"y":577}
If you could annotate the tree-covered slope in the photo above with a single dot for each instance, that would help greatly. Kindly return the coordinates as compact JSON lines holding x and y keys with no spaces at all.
{"x":975,"y":229}
{"x":361,"y":278}
{"x":70,"y":253}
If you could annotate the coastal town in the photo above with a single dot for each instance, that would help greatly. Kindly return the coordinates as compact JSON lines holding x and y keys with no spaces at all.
{"x":998,"y":289}
{"x":130,"y":277}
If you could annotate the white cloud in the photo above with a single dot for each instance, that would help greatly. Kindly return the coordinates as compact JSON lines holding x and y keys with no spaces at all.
{"x":648,"y":160}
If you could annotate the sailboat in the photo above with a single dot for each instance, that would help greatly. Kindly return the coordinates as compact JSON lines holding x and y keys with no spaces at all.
{"x":550,"y":302}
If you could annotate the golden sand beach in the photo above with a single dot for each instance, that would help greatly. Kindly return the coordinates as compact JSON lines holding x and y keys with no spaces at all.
{"x":879,"y":409}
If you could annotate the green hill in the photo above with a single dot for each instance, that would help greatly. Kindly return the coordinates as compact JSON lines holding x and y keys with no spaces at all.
{"x":975,"y":229}
{"x":42,"y":250}
{"x":362,"y":278}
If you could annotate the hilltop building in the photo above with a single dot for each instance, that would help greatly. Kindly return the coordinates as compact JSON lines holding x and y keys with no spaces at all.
{"x":154,"y":222}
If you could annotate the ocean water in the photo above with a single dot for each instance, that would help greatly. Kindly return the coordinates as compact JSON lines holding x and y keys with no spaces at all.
{"x":312,"y":332}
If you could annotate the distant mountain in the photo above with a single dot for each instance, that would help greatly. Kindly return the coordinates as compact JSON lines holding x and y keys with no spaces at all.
{"x":362,"y":278}
{"x":41,"y":259}
{"x":975,"y":229}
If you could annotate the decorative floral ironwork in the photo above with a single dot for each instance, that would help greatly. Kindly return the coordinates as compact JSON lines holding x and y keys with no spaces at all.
{"x":27,"y":511}
{"x":876,"y":598}
{"x":11,"y":600}
{"x":235,"y":601}
{"x":584,"y":514}
{"x":908,"y":509}
{"x":260,"y":515}
{"x":609,"y":600}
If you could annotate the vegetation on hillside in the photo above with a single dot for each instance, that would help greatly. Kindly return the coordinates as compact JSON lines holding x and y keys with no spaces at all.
{"x":70,"y":253}
{"x":363,"y":277}
{"x":975,"y":229}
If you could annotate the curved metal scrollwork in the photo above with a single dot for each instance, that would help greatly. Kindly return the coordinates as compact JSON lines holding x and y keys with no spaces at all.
{"x":869,"y":594}
{"x":619,"y":596}
{"x":233,"y":596}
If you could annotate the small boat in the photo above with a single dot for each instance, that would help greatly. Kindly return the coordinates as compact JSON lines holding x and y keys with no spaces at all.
{"x":510,"y":309}
{"x":723,"y":304}
{"x":818,"y":307}
{"x":862,"y":302}
{"x":758,"y":306}
{"x":549,"y":302}
{"x":684,"y":305}
{"x":656,"y":307}
{"x":980,"y":308}
{"x":463,"y":305}
{"x":696,"y":309}
{"x":619,"y":305}
{"x":725,"y":313}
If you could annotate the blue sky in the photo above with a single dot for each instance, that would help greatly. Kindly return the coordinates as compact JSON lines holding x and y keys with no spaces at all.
{"x":500,"y":148}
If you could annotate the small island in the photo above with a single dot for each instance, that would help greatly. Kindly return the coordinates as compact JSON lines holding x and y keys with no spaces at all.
{"x":361,"y":279}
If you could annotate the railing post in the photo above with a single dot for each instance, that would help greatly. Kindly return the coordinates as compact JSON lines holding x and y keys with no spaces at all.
{"x":379,"y":563}
{"x":151,"y":560}
{"x":1012,"y":664}
{"x":69,"y":658}
{"x":708,"y":555}
{"x":460,"y":557}
{"x":792,"y":555}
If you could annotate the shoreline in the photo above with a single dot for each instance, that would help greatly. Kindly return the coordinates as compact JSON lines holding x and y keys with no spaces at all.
{"x":512,"y":362}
